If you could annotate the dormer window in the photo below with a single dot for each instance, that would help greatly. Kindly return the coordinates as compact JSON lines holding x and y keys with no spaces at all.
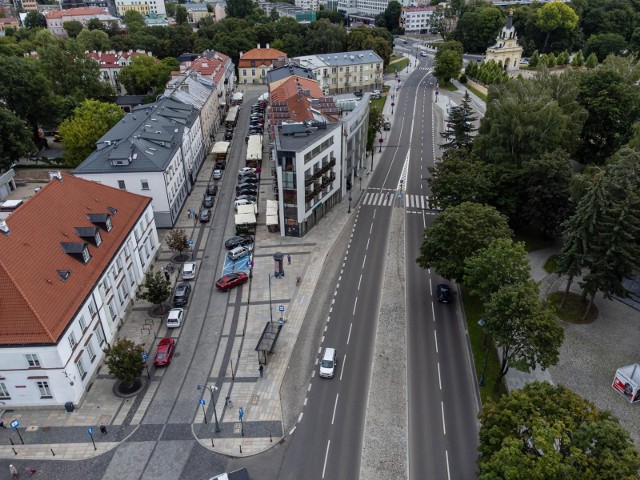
{"x":90,"y":234}
{"x":102,"y":220}
{"x":79,"y":251}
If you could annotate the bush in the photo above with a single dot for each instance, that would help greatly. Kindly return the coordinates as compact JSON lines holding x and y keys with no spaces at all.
{"x":463,"y":78}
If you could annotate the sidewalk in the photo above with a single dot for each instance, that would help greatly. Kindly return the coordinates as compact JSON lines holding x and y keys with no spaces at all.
{"x":53,"y":431}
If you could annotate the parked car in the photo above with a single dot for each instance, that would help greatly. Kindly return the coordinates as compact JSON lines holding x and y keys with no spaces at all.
{"x":176,"y":315}
{"x":247,"y":175}
{"x":181,"y":295}
{"x":238,"y":252}
{"x":387,"y":126}
{"x":212,"y":190}
{"x":376,"y":94}
{"x":164,"y":352}
{"x":246,"y":196}
{"x":423,"y":54}
{"x":220,"y":165}
{"x":444,"y":293}
{"x":207,"y":202}
{"x":204,"y":215}
{"x":228,"y":136}
{"x":250,"y":190}
{"x":238,"y":241}
{"x":231,"y":280}
{"x":217,"y":174}
{"x":189,"y":271}
{"x":247,"y":169}
{"x":249,"y":179}
{"x":240,"y":202}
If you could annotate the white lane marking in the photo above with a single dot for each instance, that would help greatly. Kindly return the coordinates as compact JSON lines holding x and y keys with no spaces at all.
{"x":433,"y":311}
{"x":367,"y":247}
{"x":371,"y":228}
{"x":325,"y":327}
{"x":349,"y":336}
{"x":337,"y":286}
{"x":359,"y":281}
{"x":305,"y":401}
{"x":374,"y":216}
{"x":309,"y":388}
{"x":363,"y":261}
{"x":335,"y":407}
{"x":326,"y":456}
{"x":300,"y":417}
{"x":322,"y":341}
{"x":354,"y":306}
{"x":339,"y":278}
{"x":344,"y":361}
{"x":319,"y":351}
{"x":435,"y":337}
{"x":439,"y":378}
{"x":446,"y":454}
{"x":292,"y":430}
{"x":430,"y":288}
{"x":444,"y":427}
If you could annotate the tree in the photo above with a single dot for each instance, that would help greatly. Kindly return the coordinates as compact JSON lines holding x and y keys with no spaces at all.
{"x":35,"y":20}
{"x":390,"y":18}
{"x":544,"y":431}
{"x":330,"y":14}
{"x":95,"y":24}
{"x":460,"y":125}
{"x":443,"y":21}
{"x":156,"y":289}
{"x":325,"y":37}
{"x":563,"y":58}
{"x":448,"y":64}
{"x":555,"y":16}
{"x":145,"y":76}
{"x":578,"y":60}
{"x":478,"y":27}
{"x":170,"y":8}
{"x":606,"y":44}
{"x":94,"y":40}
{"x":502,"y":262}
{"x":239,"y":8}
{"x":73,"y":28}
{"x":458,"y":233}
{"x":124,"y":360}
{"x":182,"y":17}
{"x":592,"y":61}
{"x":15,"y":141}
{"x":376,"y":121}
{"x":523,"y":327}
{"x":458,"y":177}
{"x":90,"y":121}
{"x":134,"y":21}
{"x":177,"y":241}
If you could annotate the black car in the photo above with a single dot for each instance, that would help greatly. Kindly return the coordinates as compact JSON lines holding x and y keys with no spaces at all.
{"x":246,"y":188}
{"x":248,"y":179}
{"x":242,"y":176}
{"x":204,"y":215}
{"x":443,"y":292}
{"x":238,"y":241}
{"x":247,"y":191}
{"x":221,"y":164}
{"x":251,"y":198}
{"x":228,"y":136}
{"x":207,"y":202}
{"x":212,"y":190}
{"x":181,"y":295}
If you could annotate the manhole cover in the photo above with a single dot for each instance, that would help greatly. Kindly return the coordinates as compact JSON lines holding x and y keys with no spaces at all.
{"x":255,"y":399}
{"x":237,"y":428}
{"x":32,"y":428}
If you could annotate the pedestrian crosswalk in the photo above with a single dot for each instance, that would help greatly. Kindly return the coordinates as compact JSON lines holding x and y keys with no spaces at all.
{"x":393,"y":198}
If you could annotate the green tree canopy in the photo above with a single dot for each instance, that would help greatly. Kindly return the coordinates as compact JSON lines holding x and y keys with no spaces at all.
{"x":523,"y":327}
{"x":94,"y":40}
{"x":478,"y":27}
{"x":460,"y":125}
{"x":606,"y":44}
{"x":35,"y":20}
{"x":133,"y":20}
{"x":456,"y":234}
{"x":73,"y":28}
{"x":448,"y":64}
{"x":502,"y":262}
{"x":555,"y":16}
{"x":547,"y":432}
{"x":90,"y":121}
{"x":177,"y":241}
{"x":390,"y":18}
{"x":124,"y":360}
{"x":240,"y":8}
{"x":182,"y":17}
{"x":156,"y":289}
{"x":95,"y":24}
{"x":15,"y":141}
{"x":145,"y":76}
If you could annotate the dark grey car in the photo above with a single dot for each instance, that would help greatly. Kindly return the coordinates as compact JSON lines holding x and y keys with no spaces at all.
{"x":181,"y":295}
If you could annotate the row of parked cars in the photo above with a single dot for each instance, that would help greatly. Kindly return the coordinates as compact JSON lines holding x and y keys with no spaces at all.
{"x":256,"y":119}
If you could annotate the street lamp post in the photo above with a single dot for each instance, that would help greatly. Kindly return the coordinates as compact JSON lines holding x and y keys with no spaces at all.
{"x":213,"y":400}
{"x":392,"y":105}
{"x":380,"y":141}
{"x":349,"y":211}
{"x":270,"y":309}
{"x":482,"y":323}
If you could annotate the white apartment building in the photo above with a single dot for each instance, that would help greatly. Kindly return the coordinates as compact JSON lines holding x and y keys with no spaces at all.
{"x":416,"y":19}
{"x":144,"y":7}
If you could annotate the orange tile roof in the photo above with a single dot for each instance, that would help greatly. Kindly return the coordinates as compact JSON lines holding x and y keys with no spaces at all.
{"x":76,"y":12}
{"x":36,"y":306}
{"x":265,"y":56}
{"x":297,"y":106}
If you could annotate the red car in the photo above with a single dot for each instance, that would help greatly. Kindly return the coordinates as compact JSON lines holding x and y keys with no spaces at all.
{"x":164,"y":353}
{"x":231,"y":280}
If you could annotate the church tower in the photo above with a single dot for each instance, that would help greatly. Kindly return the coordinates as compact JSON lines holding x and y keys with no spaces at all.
{"x":506,"y":48}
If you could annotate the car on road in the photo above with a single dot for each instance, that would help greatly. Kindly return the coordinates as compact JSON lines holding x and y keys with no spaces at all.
{"x":443,"y":292}
{"x":423,"y":54}
{"x":212,"y":190}
{"x":181,"y":295}
{"x":231,"y":280}
{"x":238,"y":252}
{"x":189,"y":271}
{"x":164,"y":352}
{"x":175,"y":318}
{"x":387,"y":126}
{"x":404,"y":41}
{"x":217,"y":174}
{"x":207,"y":202}
{"x":376,"y":94}
{"x":328,"y":363}
{"x":228,"y":136}
{"x":238,"y":241}
{"x":246,"y":169}
{"x":204,"y":215}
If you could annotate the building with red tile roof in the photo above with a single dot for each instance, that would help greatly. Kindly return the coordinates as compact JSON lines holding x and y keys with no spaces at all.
{"x":110,"y":63}
{"x":56,"y":18}
{"x":71,"y":259}
{"x":254,"y":64}
{"x":8,"y":22}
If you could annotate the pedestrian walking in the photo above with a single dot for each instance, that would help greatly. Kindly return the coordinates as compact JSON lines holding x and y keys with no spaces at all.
{"x":388,"y":195}
{"x":261,"y":370}
{"x":14,"y":471}
{"x":289,"y":259}
{"x":166,"y":275}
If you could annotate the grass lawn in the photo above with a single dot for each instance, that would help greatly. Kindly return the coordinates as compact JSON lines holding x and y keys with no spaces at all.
{"x":574,"y":308}
{"x":478,"y":93}
{"x":396,"y":65}
{"x":473,"y":313}
{"x":378,"y":103}
{"x":551,"y":265}
{"x":449,"y":86}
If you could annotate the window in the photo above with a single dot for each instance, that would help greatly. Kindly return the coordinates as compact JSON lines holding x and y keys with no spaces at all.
{"x":121,"y":185}
{"x":32,"y":360}
{"x":72,"y":340}
{"x":91,"y":352}
{"x":99,"y":335}
{"x":83,"y":324}
{"x":80,"y":367}
{"x":92,"y":307}
{"x":145,"y":184}
{"x":112,"y":311}
{"x":253,"y":73}
{"x":4,"y":393}
{"x":45,"y":391}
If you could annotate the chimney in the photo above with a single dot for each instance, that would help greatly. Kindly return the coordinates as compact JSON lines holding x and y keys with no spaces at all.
{"x":267,"y":45}
{"x":258,"y":46}
{"x":55,"y":174}
{"x":4,"y":228}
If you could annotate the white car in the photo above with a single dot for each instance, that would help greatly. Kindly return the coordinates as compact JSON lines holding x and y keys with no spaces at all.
{"x":189,"y":271}
{"x":217,"y":174}
{"x":328,"y":363}
{"x":175,"y":317}
{"x":376,"y":94}
{"x":246,"y":170}
{"x":243,"y":201}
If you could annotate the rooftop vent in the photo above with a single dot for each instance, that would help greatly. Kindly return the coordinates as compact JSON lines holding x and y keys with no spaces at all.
{"x":64,"y":274}
{"x":4,"y":228}
{"x":55,"y":174}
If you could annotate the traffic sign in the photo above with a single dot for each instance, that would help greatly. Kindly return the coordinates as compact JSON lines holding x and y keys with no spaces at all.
{"x":90,"y":431}
{"x":240,"y":413}
{"x":145,"y":356}
{"x":281,"y":308}
{"x":249,"y":264}
{"x":190,"y":242}
{"x":202,"y":401}
{"x":15,"y":424}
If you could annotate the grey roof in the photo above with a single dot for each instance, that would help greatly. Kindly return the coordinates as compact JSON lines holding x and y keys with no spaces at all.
{"x":195,"y":7}
{"x":290,"y":70}
{"x":192,"y":89}
{"x":349,"y":58}
{"x":145,"y":140}
{"x":296,"y":143}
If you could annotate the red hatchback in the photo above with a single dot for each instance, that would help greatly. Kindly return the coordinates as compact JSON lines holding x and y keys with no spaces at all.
{"x":164,"y":352}
{"x":231,"y":280}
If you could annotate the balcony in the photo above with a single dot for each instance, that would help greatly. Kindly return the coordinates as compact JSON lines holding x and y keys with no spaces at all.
{"x":312,"y":178}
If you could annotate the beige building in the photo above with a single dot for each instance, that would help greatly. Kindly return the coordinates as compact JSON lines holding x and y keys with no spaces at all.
{"x":345,"y":72}
{"x":506,"y":50}
{"x":254,"y":64}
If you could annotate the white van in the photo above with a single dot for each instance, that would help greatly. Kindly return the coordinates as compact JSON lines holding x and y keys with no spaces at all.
{"x":328,"y":363}
{"x":175,"y":317}
{"x":238,"y":252}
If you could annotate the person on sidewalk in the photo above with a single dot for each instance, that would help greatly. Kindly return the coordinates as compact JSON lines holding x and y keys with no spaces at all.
{"x":13,"y":470}
{"x":289,"y":259}
{"x":261,"y":370}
